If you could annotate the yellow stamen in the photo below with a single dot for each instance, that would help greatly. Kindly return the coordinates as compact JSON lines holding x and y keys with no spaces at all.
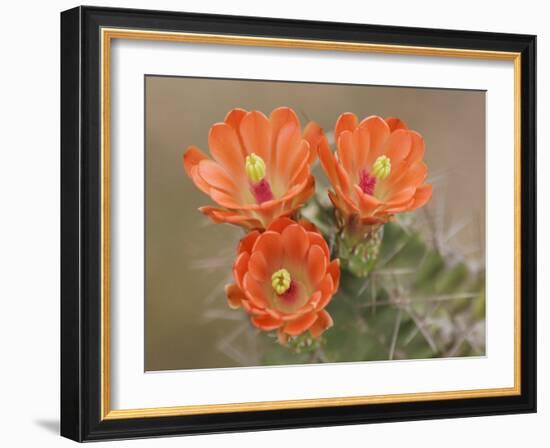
{"x":381,"y":167}
{"x":280,"y":281}
{"x":255,"y":168}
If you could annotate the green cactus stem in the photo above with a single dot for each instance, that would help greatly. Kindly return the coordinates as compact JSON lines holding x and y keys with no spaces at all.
{"x":358,"y":245}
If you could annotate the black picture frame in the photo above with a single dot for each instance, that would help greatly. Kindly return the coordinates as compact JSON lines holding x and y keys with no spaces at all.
{"x":81,"y":227}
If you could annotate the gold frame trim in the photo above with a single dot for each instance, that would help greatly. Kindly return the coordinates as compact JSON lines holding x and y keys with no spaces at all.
{"x":107,"y":35}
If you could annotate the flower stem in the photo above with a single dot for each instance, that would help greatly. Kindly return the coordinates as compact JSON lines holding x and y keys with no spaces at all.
{"x":358,"y":246}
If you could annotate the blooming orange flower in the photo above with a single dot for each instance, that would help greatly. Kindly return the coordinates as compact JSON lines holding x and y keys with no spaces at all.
{"x":377,"y":170}
{"x":284,"y":279}
{"x":261,"y":167}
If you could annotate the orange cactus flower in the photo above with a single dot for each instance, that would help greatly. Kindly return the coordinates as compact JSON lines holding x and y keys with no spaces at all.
{"x":377,"y":170}
{"x":261,"y":167}
{"x":284,"y":279}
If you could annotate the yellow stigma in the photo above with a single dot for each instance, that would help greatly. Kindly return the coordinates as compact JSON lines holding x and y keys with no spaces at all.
{"x":381,"y":167}
{"x":280,"y":281}
{"x":255,"y":168}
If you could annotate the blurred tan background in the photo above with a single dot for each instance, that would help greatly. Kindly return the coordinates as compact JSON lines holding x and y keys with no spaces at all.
{"x":188,"y":260}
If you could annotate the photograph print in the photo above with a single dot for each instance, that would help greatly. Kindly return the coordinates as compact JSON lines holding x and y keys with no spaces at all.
{"x":306,"y":223}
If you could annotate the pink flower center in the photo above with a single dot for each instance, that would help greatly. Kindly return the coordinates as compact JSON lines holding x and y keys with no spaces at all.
{"x":291,"y":294}
{"x":367,"y":182}
{"x":261,"y":191}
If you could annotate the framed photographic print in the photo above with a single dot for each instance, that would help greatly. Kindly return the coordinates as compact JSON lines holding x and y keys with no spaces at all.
{"x":275,"y":224}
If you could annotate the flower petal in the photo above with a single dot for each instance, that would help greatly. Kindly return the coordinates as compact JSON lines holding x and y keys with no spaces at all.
{"x":361,"y":140}
{"x":316,"y":238}
{"x":398,"y":145}
{"x":323,"y":323}
{"x":191,"y":159}
{"x":367,"y":203}
{"x":279,"y":118}
{"x":297,"y":167}
{"x":379,"y":132}
{"x":343,"y":178}
{"x":224,"y":199}
{"x":254,"y":291}
{"x":308,"y":225}
{"x":398,"y":208}
{"x":214,"y":175}
{"x":266,"y":323}
{"x":311,"y":303}
{"x":234,"y":118}
{"x":219,"y":216}
{"x":345,"y":122}
{"x":417,"y":147}
{"x":240,"y":267}
{"x":225,"y":147}
{"x":247,"y":242}
{"x":400,"y":197}
{"x":257,"y":266}
{"x":287,"y":143}
{"x":313,"y":133}
{"x":350,"y":205}
{"x":306,"y":190}
{"x":301,"y":324}
{"x":316,"y":265}
{"x":235,"y":296}
{"x":251,"y":309}
{"x":422,"y":196}
{"x":270,"y":244}
{"x":414,"y":175}
{"x":255,"y":131}
{"x":327,"y":290}
{"x":395,"y":123}
{"x":334,"y":270}
{"x":346,"y":150}
{"x":295,"y":243}
{"x":327,"y":161}
{"x":279,"y":224}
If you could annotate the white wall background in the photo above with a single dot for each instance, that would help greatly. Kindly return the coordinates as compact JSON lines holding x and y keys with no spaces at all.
{"x":29,"y":220}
